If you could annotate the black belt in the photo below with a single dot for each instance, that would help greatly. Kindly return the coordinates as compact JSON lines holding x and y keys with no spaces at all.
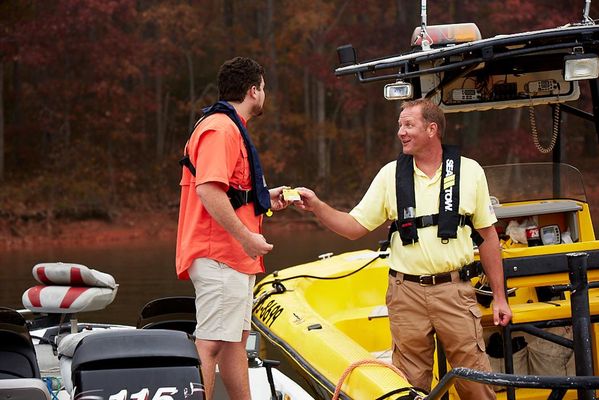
{"x":466,"y":273}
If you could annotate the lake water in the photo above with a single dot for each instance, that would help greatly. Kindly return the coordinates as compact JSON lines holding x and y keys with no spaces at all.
{"x":145,"y":270}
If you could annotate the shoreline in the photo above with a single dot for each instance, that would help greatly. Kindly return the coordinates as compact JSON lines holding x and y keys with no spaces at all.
{"x":130,"y":226}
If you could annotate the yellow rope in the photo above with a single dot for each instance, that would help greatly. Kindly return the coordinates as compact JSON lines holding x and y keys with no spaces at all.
{"x":371,"y":362}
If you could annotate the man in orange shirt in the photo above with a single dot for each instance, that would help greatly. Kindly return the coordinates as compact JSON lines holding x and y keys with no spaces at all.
{"x":219,"y":241}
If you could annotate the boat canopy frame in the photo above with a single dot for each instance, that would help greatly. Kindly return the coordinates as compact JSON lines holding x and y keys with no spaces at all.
{"x":509,"y":54}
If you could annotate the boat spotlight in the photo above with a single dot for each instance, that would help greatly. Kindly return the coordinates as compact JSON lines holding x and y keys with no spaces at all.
{"x":581,"y":66}
{"x":399,"y":90}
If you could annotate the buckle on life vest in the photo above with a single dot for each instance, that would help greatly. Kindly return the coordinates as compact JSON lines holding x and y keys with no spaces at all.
{"x":426,"y":220}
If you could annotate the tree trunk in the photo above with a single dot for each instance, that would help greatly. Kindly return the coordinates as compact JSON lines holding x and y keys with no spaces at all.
{"x":368,"y":131}
{"x":159,"y":118}
{"x":1,"y":121}
{"x":321,"y":140}
{"x":307,"y":92}
{"x":272,"y":71}
{"x":192,"y":92}
{"x":229,"y":20}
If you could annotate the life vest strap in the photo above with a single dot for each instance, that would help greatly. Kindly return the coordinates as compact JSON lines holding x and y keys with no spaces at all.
{"x":431,"y":220}
{"x":237,"y":197}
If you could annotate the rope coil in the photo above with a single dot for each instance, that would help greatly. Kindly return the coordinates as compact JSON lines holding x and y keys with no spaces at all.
{"x":371,"y":362}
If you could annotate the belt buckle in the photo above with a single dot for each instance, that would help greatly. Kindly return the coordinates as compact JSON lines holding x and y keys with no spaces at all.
{"x":427,"y":220}
{"x":422,"y":277}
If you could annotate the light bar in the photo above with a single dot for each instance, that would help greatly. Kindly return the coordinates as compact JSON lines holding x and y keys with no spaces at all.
{"x":581,"y":66}
{"x":443,"y":35}
{"x":398,"y":91}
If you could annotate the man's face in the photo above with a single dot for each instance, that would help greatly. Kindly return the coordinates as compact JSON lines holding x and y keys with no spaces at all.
{"x":258,"y":107}
{"x":414,"y":132}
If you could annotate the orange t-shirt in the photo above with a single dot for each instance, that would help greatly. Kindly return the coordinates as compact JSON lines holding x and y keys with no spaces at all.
{"x":217,"y":151}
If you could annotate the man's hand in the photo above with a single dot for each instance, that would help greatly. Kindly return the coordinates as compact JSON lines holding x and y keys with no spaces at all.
{"x":254,"y":244}
{"x":308,"y":201}
{"x":219,"y":207}
{"x":490,"y":256}
{"x":502,"y":314}
{"x":277,"y":202}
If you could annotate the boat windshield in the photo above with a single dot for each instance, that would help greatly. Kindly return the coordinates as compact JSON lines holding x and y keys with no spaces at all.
{"x":534,"y":181}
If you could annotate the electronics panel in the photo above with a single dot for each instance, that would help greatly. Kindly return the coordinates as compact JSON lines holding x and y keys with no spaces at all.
{"x":481,"y":92}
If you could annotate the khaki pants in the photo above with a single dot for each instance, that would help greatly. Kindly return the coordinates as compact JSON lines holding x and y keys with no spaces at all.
{"x":450,"y":310}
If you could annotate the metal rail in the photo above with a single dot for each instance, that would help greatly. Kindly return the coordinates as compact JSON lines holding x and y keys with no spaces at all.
{"x":557,"y":384}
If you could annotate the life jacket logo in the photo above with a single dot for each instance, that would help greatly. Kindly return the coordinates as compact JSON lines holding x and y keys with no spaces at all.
{"x":448,"y":184}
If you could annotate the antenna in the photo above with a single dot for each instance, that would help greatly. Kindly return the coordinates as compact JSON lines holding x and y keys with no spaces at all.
{"x":425,"y":43}
{"x":585,"y":14}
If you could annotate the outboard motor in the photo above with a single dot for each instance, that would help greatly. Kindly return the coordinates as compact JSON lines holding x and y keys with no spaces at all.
{"x":150,"y":364}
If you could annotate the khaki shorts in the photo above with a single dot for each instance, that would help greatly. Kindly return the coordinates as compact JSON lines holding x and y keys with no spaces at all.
{"x":223,"y":300}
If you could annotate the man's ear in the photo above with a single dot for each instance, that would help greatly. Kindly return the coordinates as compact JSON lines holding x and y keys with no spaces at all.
{"x":433,"y":129}
{"x":254,"y":90}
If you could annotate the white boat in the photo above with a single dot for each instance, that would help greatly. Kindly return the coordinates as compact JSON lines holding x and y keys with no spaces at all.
{"x":47,"y":354}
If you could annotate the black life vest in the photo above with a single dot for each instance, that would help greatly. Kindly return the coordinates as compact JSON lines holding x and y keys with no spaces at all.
{"x":259,"y":194}
{"x":448,"y":219}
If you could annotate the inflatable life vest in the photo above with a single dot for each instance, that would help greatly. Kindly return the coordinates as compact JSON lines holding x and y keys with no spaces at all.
{"x":259,"y":195}
{"x":448,"y":219}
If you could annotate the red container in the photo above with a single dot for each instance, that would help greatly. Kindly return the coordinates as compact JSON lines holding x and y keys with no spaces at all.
{"x":533,"y":236}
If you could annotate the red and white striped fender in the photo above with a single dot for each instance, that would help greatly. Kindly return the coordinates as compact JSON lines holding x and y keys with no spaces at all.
{"x":67,"y":299}
{"x":69,"y":274}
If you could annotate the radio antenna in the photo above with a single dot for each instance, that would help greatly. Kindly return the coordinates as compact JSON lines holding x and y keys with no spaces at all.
{"x":585,"y":14}
{"x":425,"y":43}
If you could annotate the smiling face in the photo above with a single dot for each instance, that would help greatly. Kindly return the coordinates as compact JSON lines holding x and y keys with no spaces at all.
{"x":415,"y":133}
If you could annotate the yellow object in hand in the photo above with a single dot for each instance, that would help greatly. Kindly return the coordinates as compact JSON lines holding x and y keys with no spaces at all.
{"x":291,"y":195}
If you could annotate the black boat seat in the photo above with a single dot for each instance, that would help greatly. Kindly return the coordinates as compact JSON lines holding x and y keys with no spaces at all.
{"x":172,"y":313}
{"x":23,"y":389}
{"x":17,"y":353}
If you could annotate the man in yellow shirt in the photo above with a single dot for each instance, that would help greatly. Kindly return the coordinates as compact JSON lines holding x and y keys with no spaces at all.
{"x":444,"y":199}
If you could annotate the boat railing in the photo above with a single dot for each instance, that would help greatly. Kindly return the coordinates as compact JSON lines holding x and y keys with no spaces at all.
{"x":557,"y":384}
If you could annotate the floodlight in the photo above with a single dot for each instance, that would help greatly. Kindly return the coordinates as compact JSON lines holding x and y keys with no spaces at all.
{"x":581,"y":66}
{"x":399,"y":90}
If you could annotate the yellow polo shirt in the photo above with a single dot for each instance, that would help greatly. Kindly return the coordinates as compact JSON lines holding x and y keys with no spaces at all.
{"x":428,"y":255}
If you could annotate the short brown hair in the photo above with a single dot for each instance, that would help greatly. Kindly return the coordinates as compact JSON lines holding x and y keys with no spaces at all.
{"x":430,"y":113}
{"x":236,"y":76}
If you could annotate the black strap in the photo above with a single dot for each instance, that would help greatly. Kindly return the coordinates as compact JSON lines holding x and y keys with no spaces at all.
{"x":449,"y":196}
{"x":431,"y":220}
{"x":406,"y":199}
{"x":238,"y":197}
{"x":186,"y":161}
